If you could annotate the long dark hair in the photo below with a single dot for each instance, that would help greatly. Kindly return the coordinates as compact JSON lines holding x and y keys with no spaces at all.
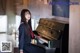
{"x":23,"y":19}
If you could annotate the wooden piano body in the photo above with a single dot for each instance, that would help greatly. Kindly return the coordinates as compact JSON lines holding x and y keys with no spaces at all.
{"x":56,"y":32}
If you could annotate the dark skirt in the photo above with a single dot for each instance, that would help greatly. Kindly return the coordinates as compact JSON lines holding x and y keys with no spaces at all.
{"x":34,"y":49}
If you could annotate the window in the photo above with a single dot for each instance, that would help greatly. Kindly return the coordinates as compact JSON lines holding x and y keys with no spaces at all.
{"x":3,"y":23}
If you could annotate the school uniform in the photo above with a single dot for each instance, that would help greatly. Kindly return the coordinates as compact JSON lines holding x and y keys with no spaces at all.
{"x":25,"y":40}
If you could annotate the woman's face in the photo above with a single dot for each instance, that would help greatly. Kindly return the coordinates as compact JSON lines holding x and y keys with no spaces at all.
{"x":27,"y":15}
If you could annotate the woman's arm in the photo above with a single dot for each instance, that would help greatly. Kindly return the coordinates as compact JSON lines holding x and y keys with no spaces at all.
{"x":21,"y":37}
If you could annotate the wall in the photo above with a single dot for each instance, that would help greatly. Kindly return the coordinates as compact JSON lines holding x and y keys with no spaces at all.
{"x":41,"y":10}
{"x":74,"y":31}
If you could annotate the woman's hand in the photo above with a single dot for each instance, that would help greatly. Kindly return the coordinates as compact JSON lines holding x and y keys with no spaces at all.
{"x":33,"y":41}
{"x":21,"y":51}
{"x":38,"y":37}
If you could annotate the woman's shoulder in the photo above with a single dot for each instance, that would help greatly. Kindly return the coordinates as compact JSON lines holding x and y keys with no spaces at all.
{"x":21,"y":25}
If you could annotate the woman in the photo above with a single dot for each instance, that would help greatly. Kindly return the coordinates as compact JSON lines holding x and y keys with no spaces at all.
{"x":26,"y":35}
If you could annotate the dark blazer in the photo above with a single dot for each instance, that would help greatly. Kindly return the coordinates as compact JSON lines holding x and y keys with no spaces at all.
{"x":25,"y":41}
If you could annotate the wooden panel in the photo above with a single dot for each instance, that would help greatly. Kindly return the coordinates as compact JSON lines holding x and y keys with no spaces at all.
{"x":2,"y":7}
{"x":50,"y":28}
{"x":52,"y":23}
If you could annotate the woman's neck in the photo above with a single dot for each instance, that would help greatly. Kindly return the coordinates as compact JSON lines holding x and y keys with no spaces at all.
{"x":27,"y":21}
